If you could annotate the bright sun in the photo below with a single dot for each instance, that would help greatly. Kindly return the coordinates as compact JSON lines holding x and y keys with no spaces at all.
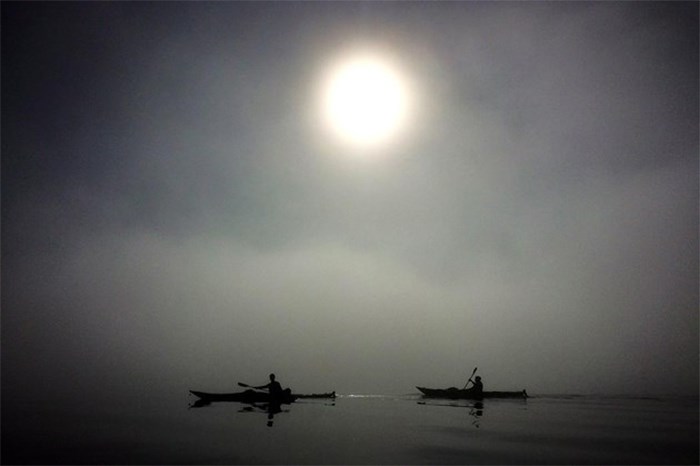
{"x":365,"y":101}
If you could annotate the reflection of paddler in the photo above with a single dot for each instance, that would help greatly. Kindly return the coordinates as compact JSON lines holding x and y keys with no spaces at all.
{"x":271,"y":409}
{"x":271,"y":414}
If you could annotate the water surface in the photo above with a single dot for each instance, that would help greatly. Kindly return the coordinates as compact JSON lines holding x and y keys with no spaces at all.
{"x":357,"y":430}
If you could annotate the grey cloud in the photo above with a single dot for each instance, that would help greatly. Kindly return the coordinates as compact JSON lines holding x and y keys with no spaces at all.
{"x":182,"y":223}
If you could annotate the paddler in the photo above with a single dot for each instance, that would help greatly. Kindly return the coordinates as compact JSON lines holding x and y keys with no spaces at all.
{"x":478,"y":386}
{"x":274,"y":387}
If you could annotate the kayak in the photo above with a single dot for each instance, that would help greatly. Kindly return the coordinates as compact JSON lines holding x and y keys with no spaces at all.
{"x":456,"y":393}
{"x":248,"y":396}
{"x":252,"y":396}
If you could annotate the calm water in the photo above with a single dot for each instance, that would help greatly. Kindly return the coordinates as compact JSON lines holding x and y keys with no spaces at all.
{"x":358,"y":430}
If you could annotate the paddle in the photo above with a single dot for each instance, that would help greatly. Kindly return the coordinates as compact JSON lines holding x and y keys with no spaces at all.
{"x":470,"y":379}
{"x":248,"y":386}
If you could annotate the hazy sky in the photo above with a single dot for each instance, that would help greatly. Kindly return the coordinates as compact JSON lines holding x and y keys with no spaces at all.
{"x":174,"y":216}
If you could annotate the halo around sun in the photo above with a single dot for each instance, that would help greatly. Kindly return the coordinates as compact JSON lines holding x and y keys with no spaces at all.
{"x":364,"y":100}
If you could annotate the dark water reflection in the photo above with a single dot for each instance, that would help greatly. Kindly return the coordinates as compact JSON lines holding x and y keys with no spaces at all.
{"x":269,"y":409}
{"x":475,"y":409}
{"x":354,"y":430}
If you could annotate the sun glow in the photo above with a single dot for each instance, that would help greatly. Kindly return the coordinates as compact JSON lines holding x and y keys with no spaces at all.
{"x":365,"y":101}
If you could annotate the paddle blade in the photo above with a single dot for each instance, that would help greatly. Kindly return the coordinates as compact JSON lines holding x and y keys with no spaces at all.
{"x":241,"y":384}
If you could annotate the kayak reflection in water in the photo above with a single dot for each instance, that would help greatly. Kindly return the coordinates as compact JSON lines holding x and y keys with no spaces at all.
{"x":270,"y":408}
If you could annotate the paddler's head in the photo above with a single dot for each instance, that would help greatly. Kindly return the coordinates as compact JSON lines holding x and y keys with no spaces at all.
{"x":272,"y":377}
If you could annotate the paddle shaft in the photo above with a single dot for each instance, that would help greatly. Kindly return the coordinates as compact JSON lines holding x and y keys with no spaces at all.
{"x":470,"y":378}
{"x":248,"y":386}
